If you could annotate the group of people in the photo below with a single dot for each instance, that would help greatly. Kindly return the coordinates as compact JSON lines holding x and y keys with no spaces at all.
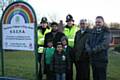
{"x":82,"y":46}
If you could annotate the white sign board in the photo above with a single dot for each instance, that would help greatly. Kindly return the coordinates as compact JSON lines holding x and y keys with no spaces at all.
{"x":18,"y":26}
{"x":18,"y":37}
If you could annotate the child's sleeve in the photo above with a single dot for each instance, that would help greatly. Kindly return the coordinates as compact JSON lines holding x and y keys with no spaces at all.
{"x":44,"y":54}
{"x":68,"y":61}
{"x":71,"y":54}
{"x":52,"y":63}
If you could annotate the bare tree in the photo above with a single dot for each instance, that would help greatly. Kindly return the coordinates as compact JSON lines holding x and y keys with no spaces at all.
{"x":115,"y":25}
{"x":53,"y":17}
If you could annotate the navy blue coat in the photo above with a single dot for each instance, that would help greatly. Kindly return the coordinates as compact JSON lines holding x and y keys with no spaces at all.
{"x":97,"y":45}
{"x":59,"y":62}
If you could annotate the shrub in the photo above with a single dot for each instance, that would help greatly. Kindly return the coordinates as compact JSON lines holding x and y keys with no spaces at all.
{"x":117,"y":48}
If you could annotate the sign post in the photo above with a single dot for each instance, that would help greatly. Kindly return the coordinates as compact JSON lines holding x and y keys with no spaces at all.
{"x":19,"y":27}
{"x":2,"y":62}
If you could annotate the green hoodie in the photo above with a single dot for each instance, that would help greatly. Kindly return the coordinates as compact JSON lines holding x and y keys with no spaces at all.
{"x":48,"y":52}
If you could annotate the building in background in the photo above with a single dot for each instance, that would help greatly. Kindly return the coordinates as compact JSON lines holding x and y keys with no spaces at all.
{"x":115,"y":35}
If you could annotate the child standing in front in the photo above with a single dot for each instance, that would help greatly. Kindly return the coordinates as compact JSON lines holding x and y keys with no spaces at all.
{"x":59,"y":62}
{"x":69,"y":54}
{"x":48,"y":54}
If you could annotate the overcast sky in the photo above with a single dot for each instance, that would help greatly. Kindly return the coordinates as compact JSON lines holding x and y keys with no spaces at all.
{"x":89,"y":9}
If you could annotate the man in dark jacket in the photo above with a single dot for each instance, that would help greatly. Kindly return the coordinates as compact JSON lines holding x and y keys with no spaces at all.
{"x":97,"y":46}
{"x":81,"y":57}
{"x":54,"y":34}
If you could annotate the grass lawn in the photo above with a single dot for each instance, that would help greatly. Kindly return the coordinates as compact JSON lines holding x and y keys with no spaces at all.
{"x":114,"y":66}
{"x":22,"y":64}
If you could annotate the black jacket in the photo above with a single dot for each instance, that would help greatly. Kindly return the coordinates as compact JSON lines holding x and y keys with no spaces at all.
{"x":69,"y":52}
{"x":98,"y":44}
{"x":79,"y":43}
{"x":59,"y":62}
{"x":56,"y":38}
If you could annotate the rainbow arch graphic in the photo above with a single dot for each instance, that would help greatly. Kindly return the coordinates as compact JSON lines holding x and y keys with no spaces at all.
{"x":18,"y":8}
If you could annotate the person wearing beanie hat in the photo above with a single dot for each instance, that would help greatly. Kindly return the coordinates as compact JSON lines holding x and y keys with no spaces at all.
{"x":42,"y":29}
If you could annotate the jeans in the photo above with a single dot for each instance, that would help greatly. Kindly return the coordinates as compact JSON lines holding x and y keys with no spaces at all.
{"x":60,"y":76}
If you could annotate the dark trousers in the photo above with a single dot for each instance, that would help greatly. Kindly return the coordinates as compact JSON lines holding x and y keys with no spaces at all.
{"x":99,"y":71}
{"x":49,"y":73}
{"x":40,"y":66}
{"x":69,"y":73}
{"x":83,"y":69}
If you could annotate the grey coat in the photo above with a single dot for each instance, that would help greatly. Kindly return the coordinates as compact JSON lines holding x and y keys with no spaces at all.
{"x":79,"y":43}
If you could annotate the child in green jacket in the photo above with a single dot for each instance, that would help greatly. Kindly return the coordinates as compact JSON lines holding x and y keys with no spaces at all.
{"x":48,"y":54}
